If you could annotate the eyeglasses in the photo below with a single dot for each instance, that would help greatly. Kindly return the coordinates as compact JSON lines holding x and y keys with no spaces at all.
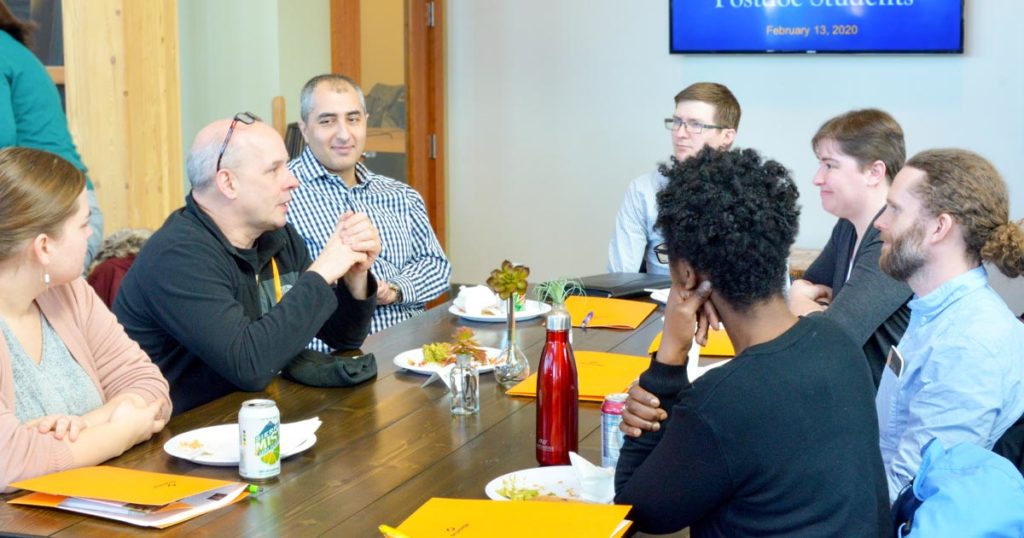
{"x":692,"y":126}
{"x":662,"y":252}
{"x":247,"y":118}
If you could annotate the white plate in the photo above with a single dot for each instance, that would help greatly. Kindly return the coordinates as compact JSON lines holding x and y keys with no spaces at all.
{"x":557,"y":481}
{"x":218,"y":445}
{"x":409,"y":360}
{"x":531,"y":309}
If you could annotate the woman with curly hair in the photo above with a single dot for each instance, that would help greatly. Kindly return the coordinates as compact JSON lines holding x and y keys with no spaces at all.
{"x":781,"y":440}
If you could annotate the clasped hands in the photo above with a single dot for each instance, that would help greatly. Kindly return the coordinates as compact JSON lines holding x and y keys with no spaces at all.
{"x":353,"y":247}
{"x":689,"y":314}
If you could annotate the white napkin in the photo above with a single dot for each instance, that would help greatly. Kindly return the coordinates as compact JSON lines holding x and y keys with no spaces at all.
{"x":444,"y":374}
{"x":474,"y":299}
{"x":294,"y":434}
{"x":597,"y":484}
{"x":660,"y":295}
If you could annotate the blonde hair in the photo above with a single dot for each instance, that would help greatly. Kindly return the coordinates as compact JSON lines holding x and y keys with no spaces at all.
{"x":38,"y":193}
{"x":966,"y":186}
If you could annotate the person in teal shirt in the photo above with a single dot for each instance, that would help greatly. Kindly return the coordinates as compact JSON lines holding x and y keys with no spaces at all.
{"x":31,"y":114}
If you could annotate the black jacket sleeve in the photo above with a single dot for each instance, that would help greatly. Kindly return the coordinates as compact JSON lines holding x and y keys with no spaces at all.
{"x":349,"y":325}
{"x":869,"y":296}
{"x":197,"y":306}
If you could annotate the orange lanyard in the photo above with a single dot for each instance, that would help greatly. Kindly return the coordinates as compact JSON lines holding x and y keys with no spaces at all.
{"x":277,"y":279}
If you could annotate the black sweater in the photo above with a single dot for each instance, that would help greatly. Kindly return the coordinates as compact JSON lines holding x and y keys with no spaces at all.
{"x":204,"y":310}
{"x":781,"y":441}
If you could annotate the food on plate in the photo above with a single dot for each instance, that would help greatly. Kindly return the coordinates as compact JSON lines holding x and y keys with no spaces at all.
{"x":488,"y":311}
{"x":513,"y":492}
{"x":194,"y":444}
{"x":443,"y":353}
{"x":551,"y":497}
{"x":438,"y":352}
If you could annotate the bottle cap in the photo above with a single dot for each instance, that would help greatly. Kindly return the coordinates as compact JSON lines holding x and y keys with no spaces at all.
{"x":559,"y":321}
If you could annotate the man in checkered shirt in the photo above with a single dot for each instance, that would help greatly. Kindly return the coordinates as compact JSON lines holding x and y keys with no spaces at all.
{"x":411,"y":268}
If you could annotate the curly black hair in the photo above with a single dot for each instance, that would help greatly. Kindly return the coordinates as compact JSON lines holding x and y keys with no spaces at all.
{"x":733,"y":217}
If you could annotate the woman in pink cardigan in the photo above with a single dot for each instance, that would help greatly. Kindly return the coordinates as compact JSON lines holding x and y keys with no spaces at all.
{"x":74,"y":389}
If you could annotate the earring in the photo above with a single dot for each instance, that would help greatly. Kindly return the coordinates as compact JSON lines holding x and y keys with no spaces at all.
{"x":46,"y":279}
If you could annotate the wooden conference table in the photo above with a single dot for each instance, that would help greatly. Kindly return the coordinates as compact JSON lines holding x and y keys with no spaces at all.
{"x":384,"y":448}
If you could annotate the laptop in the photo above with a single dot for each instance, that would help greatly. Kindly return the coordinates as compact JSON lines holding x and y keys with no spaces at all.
{"x":623,"y":284}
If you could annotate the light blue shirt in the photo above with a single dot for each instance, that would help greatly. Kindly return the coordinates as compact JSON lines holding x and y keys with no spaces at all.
{"x":634,"y":236}
{"x":962,"y":379}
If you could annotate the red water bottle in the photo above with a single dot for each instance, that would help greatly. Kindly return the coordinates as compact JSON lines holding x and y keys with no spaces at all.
{"x":557,"y":395}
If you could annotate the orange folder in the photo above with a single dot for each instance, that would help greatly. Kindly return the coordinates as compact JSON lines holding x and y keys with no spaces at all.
{"x":719,"y":345}
{"x":472,"y":518}
{"x":599,"y":374}
{"x":136,"y":497}
{"x":119,"y":484}
{"x":608,"y":313}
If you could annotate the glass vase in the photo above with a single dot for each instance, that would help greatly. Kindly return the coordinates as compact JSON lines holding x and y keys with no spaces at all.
{"x":511,"y":366}
{"x":465,"y":386}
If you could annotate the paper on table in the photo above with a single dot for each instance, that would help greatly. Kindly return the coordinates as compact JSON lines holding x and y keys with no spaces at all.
{"x":443,"y":373}
{"x":137,"y":497}
{"x":719,"y":345}
{"x":599,"y":374}
{"x":660,"y":295}
{"x":694,"y":368}
{"x":119,"y":484}
{"x":142,"y":515}
{"x":473,"y":518}
{"x":609,"y":313}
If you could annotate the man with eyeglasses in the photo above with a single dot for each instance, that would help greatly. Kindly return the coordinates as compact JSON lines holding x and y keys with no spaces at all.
{"x":224,"y":295}
{"x":412,"y":268}
{"x":706,"y":114}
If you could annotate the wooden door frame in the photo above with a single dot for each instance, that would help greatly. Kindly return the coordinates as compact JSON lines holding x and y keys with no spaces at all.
{"x":424,"y":81}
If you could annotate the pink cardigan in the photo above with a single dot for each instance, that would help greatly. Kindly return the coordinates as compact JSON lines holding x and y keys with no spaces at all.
{"x":114,"y":362}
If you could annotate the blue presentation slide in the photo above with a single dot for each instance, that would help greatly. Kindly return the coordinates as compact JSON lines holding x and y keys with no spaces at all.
{"x":816,"y":26}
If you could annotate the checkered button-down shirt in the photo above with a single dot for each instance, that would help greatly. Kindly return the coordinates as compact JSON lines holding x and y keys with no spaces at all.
{"x":410,"y":256}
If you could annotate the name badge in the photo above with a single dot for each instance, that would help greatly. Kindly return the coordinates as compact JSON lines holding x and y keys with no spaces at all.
{"x":894,"y":361}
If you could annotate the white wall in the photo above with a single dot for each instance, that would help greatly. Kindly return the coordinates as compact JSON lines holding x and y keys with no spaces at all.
{"x":553,"y":107}
{"x":236,"y":55}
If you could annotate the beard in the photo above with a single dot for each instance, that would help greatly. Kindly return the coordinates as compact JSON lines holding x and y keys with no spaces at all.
{"x":904,"y":256}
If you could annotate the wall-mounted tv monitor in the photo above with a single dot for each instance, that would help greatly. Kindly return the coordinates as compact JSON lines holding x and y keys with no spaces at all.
{"x":816,"y":26}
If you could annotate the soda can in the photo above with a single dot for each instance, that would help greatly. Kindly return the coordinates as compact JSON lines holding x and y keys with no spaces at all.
{"x":259,"y":440}
{"x":611,"y":435}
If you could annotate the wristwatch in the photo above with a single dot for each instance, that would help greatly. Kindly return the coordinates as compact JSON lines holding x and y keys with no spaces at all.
{"x":397,"y":290}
